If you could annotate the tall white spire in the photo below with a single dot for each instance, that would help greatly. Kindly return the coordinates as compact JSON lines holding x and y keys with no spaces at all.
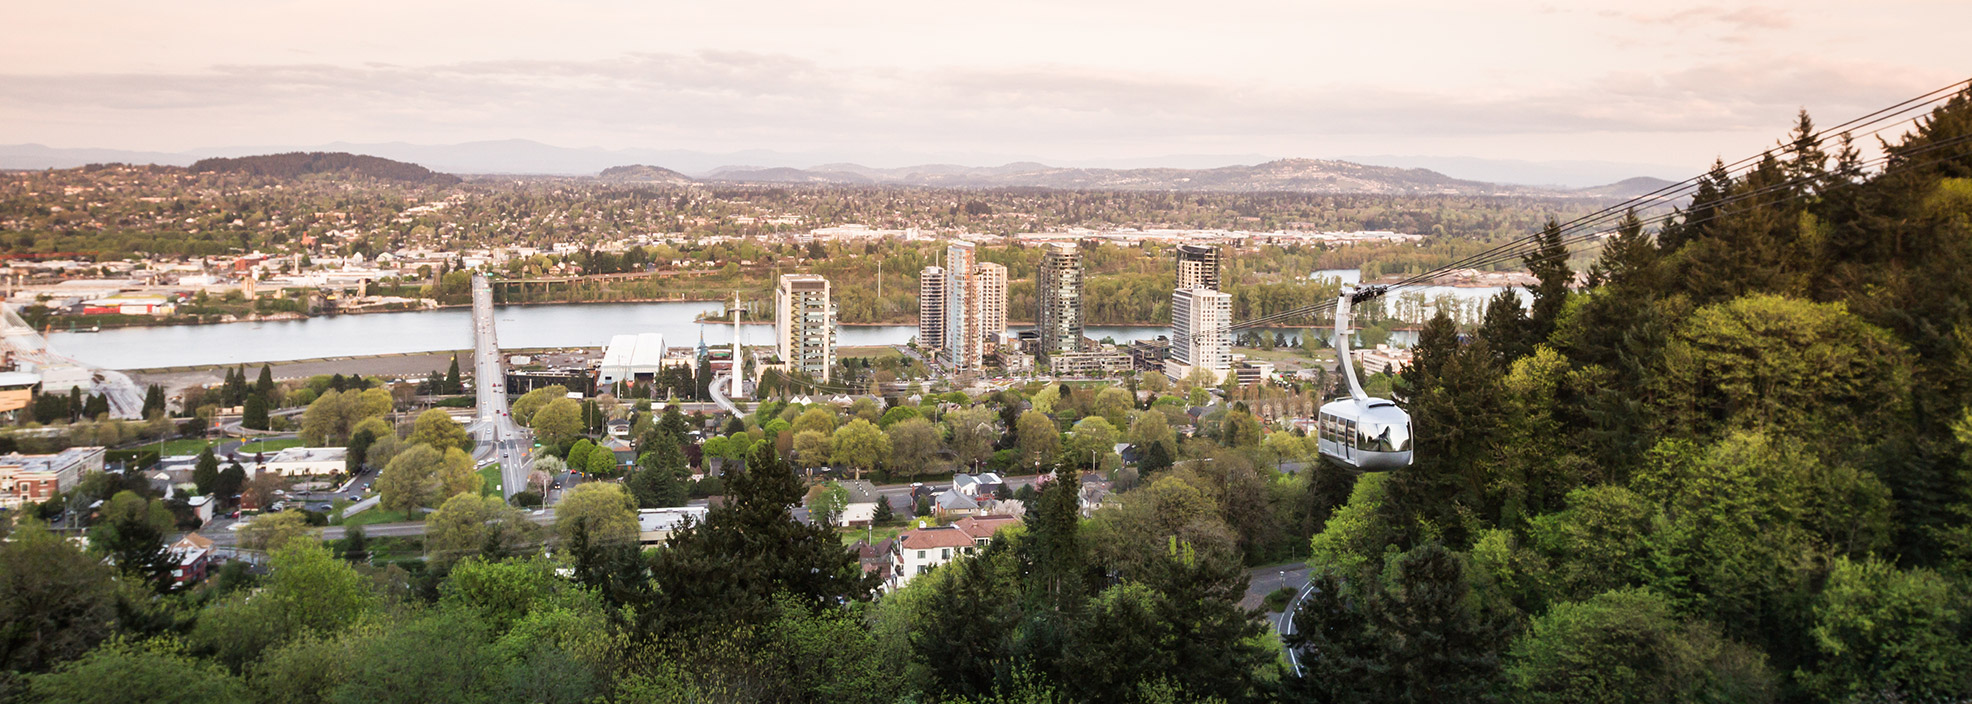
{"x":739,"y":362}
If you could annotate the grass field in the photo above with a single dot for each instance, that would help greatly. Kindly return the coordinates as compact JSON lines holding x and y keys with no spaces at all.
{"x":269,"y":446}
{"x":184,"y":446}
{"x":876,"y":535}
{"x":489,"y":484}
{"x":376,"y":515}
{"x":871,"y":351}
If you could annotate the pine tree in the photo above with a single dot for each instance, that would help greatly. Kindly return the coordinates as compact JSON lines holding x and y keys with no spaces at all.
{"x":153,"y":400}
{"x":453,"y":384}
{"x":265,"y":384}
{"x":727,"y":570}
{"x":1506,"y":329}
{"x":1549,"y":263}
{"x":254,"y":416}
{"x":1054,"y":543}
{"x":96,"y":407}
{"x":1454,"y":394}
{"x":205,"y":474}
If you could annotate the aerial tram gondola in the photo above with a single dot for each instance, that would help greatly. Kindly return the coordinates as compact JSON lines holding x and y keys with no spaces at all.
{"x":1361,"y":432}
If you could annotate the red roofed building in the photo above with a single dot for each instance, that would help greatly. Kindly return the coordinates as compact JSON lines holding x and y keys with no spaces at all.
{"x":916,"y":552}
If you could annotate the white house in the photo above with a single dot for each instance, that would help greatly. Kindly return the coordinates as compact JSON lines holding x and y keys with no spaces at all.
{"x":977,"y":485}
{"x":916,"y":552}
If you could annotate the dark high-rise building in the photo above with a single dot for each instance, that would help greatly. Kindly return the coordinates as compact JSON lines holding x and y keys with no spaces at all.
{"x":1058,"y":289}
{"x":1198,"y":267}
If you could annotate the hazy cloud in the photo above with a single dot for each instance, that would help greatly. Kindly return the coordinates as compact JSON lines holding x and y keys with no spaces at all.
{"x":1020,"y":79}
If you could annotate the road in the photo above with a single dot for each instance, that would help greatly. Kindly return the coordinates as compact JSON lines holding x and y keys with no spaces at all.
{"x":500,"y":440}
{"x":719,"y":384}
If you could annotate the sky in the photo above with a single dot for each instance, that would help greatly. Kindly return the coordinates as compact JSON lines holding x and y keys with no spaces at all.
{"x":896,"y":83}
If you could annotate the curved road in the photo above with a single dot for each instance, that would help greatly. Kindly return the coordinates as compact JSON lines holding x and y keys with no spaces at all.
{"x":719,"y":394}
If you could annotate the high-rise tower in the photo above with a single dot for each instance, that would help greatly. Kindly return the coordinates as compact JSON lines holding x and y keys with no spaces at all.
{"x":931,"y":310}
{"x":804,"y":325}
{"x":1058,"y":290}
{"x":1198,"y":267}
{"x":992,"y":280}
{"x":961,"y":350}
{"x":1199,"y":338}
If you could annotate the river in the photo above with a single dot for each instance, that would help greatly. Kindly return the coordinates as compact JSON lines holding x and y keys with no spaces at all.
{"x":563,"y":325}
{"x":533,"y":326}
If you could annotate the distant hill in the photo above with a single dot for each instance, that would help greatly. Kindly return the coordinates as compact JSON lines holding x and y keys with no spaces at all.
{"x":641,"y":173}
{"x":752,"y":174}
{"x":1298,"y":175}
{"x":1628,"y":188}
{"x":294,"y":164}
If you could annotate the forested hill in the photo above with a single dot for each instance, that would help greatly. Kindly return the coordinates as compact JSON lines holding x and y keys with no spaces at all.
{"x":640,"y":173}
{"x":1283,"y":175}
{"x":293,"y":164}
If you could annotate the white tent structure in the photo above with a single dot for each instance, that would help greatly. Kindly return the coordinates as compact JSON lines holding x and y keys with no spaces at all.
{"x":31,"y":353}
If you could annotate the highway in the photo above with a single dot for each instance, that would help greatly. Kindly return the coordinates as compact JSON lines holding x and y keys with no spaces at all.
{"x":500,"y":440}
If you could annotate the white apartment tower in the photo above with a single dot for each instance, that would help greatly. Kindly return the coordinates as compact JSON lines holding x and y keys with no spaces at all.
{"x":804,"y":325}
{"x":1199,"y":338}
{"x":931,"y":310}
{"x":992,"y":280}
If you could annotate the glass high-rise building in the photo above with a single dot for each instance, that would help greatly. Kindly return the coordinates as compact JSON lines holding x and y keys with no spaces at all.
{"x":1058,"y":289}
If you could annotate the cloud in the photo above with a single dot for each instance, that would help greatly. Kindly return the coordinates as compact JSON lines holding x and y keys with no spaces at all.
{"x":1743,"y":19}
{"x":740,"y":100}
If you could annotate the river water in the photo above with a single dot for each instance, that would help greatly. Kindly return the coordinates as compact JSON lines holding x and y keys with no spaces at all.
{"x":577,"y":325}
{"x":564,"y":325}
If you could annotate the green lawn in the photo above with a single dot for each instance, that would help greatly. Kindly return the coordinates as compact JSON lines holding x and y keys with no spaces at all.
{"x":876,"y":535}
{"x":376,"y":515}
{"x":184,"y":446}
{"x":489,"y":484}
{"x":269,"y":446}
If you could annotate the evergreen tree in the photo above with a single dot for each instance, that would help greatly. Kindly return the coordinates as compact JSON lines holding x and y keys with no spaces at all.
{"x":132,"y":535}
{"x":1054,"y":544}
{"x":96,"y":407}
{"x":453,"y":384}
{"x":727,"y":570}
{"x":205,"y":473}
{"x":1455,"y":411}
{"x":1548,"y":263}
{"x":659,"y":480}
{"x":153,"y":400}
{"x":1506,"y":329}
{"x":265,"y":384}
{"x":254,"y":416}
{"x":231,"y":480}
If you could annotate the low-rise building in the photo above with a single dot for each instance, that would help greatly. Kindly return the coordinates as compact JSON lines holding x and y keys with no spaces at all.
{"x":918,"y":551}
{"x":1249,"y":372}
{"x":983,"y":484}
{"x":37,"y":478}
{"x":654,"y":525}
{"x":1383,"y":360}
{"x":191,"y":558}
{"x":953,"y":503}
{"x":305,"y":461}
{"x":1090,"y":363}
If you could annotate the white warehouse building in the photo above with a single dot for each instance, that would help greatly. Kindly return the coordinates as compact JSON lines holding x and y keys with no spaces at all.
{"x":631,"y":358}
